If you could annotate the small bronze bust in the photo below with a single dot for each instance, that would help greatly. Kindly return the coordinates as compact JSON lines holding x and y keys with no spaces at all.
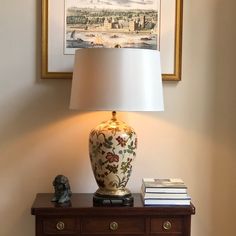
{"x":62,"y":189}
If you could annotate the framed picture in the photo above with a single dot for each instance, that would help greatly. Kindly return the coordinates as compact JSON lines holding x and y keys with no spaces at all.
{"x":68,"y":25}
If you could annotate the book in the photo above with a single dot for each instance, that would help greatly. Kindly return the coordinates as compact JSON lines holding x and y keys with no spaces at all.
{"x":161,"y":190}
{"x":166,"y":201}
{"x":172,"y":191}
{"x":159,"y":195}
{"x":171,"y":185}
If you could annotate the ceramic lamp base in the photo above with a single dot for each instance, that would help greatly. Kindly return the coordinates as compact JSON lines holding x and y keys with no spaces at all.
{"x":112,"y":150}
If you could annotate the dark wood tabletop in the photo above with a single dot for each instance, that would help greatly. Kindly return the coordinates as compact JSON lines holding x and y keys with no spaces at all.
{"x":83,"y":202}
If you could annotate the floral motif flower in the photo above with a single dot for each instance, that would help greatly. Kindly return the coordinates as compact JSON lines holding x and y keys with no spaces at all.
{"x":121,"y":141}
{"x":114,"y":129}
{"x":128,"y":130}
{"x":112,"y":157}
{"x":136,"y":142}
{"x":101,"y":183}
{"x":112,"y":168}
{"x":126,"y":166}
{"x":93,"y":132}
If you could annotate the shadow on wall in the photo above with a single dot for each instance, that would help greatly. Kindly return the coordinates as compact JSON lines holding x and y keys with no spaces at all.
{"x":224,"y":175}
{"x":40,"y":138}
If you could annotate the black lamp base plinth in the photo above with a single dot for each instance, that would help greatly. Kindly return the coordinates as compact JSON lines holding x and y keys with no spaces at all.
{"x":106,"y":200}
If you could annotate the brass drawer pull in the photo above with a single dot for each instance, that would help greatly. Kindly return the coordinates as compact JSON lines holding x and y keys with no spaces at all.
{"x":60,"y":225}
{"x":167,"y":225}
{"x":113,"y":226}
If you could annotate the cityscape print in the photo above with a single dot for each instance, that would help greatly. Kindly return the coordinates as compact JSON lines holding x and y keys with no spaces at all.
{"x":111,"y":23}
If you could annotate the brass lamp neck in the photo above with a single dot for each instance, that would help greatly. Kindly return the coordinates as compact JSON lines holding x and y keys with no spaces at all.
{"x":113,"y":115}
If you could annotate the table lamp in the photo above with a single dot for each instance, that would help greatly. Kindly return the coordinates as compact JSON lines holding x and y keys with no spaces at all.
{"x":117,"y":79}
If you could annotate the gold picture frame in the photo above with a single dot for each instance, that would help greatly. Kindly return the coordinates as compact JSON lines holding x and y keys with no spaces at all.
{"x":48,"y":9}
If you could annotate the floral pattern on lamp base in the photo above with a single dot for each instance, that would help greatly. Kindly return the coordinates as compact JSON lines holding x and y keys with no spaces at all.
{"x":112,"y":149}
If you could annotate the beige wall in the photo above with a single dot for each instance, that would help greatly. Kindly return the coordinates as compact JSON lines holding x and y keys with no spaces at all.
{"x":194,"y":138}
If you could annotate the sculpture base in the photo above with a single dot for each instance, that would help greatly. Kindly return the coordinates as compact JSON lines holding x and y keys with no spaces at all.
{"x":105,"y":200}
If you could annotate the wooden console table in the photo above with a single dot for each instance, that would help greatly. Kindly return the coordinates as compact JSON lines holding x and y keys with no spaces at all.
{"x":82,"y":218}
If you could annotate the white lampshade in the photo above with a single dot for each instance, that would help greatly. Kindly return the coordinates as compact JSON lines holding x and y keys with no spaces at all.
{"x":119,"y":79}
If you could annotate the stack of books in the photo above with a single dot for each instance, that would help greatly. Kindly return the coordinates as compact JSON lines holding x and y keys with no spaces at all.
{"x":164,"y":192}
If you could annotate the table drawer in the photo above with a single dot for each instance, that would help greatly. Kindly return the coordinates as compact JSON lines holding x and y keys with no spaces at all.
{"x":159,"y":225}
{"x":113,"y":225}
{"x":59,"y":225}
